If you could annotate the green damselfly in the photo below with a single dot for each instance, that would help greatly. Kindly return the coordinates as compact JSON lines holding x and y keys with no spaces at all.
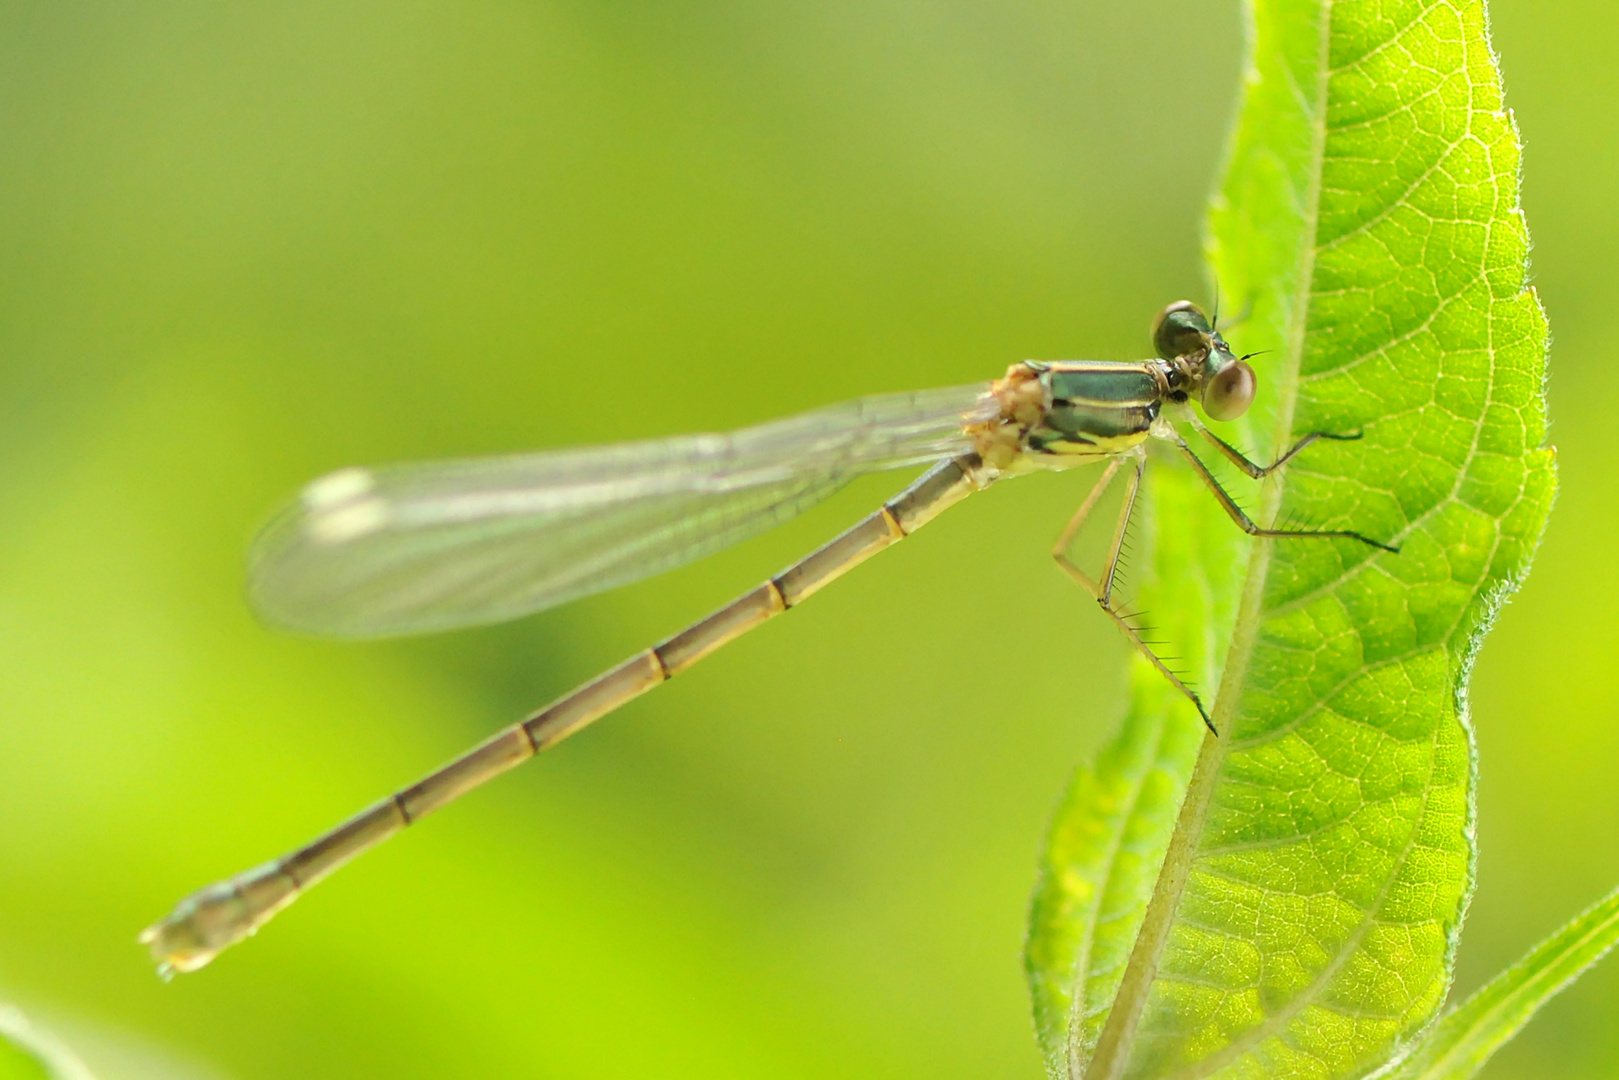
{"x":410,"y":548}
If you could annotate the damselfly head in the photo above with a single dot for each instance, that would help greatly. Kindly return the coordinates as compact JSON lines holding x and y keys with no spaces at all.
{"x":1181,"y":329}
{"x":1224,"y":383}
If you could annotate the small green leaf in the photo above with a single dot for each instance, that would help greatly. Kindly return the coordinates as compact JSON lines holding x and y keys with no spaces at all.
{"x":17,"y":1063}
{"x":1304,"y":921}
{"x":1460,"y":1044}
{"x":28,"y":1054}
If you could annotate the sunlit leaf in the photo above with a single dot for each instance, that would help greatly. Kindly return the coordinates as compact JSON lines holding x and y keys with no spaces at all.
{"x":1460,"y":1044}
{"x":1305,"y":918}
{"x":26,"y":1053}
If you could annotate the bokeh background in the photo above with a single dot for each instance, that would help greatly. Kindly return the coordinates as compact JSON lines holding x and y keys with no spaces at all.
{"x":244,"y":244}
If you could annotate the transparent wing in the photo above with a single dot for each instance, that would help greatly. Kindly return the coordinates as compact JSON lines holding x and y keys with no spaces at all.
{"x":407,"y":548}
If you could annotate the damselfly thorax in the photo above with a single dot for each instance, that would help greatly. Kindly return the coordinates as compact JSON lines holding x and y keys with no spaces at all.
{"x":373,"y":552}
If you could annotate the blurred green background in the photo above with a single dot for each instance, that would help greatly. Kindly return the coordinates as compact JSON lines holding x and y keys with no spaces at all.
{"x":244,"y":244}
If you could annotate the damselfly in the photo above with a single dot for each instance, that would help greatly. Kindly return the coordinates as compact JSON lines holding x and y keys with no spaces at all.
{"x":408,"y":548}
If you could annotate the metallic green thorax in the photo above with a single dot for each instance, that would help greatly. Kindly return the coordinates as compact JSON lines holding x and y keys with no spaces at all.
{"x":1098,"y":407}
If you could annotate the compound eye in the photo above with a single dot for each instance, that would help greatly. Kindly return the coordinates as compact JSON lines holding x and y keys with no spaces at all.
{"x":1228,"y":394}
{"x":1180,"y":330}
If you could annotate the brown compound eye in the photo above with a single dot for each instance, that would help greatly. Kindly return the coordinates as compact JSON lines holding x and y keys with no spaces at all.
{"x":1180,"y":330}
{"x":1227,"y":395}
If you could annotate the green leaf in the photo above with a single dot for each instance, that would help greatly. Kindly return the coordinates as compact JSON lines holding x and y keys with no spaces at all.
{"x":1459,"y":1045}
{"x":28,"y":1054}
{"x":1304,"y":920}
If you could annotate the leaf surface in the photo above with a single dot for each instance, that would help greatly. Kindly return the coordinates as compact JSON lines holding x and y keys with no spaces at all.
{"x":1304,"y":920}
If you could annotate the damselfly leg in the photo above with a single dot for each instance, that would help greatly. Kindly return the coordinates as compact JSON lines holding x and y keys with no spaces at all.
{"x":1240,"y":516}
{"x":1253,"y":468}
{"x":1102,"y":590}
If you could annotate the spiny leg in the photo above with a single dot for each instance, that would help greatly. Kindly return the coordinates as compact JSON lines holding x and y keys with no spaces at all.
{"x":1246,"y":523}
{"x":1103,"y":590}
{"x":1132,"y":488}
{"x":1254,"y":469}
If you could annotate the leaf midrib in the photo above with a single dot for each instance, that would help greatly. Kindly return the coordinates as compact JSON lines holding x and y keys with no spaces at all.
{"x":1118,"y":1034}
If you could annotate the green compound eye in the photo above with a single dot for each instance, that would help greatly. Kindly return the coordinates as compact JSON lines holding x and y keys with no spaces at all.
{"x":1227,"y":395}
{"x":1180,"y":330}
